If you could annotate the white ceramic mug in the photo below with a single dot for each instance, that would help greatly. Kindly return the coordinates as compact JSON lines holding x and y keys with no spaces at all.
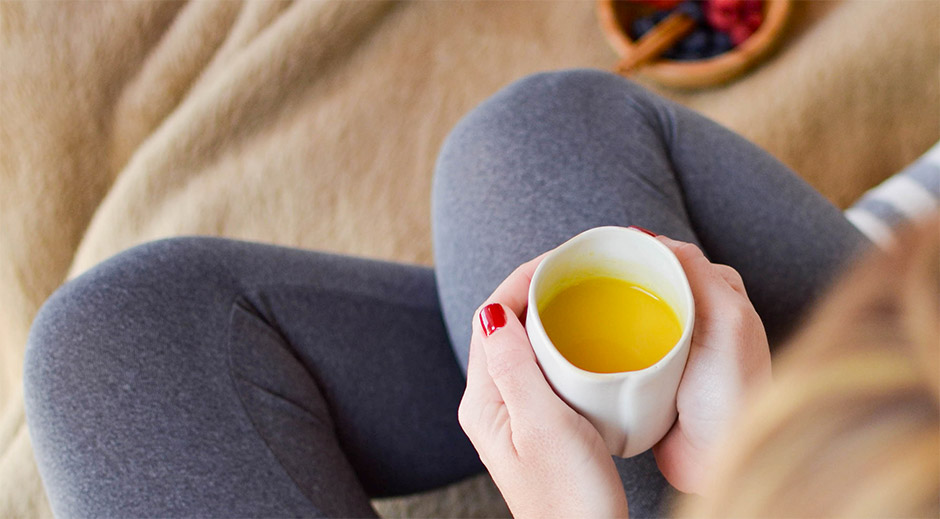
{"x":632,"y":410}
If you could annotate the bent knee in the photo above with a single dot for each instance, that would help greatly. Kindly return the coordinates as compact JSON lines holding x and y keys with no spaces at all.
{"x":548,"y":125}
{"x":565,"y":113}
{"x":572,"y":99}
{"x":120,"y":316}
{"x":573,"y":87}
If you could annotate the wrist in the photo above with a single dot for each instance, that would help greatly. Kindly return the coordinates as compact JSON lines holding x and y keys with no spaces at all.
{"x":562,"y":493}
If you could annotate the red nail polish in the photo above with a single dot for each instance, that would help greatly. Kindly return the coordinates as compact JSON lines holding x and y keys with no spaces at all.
{"x":492,"y":317}
{"x":647,"y":231}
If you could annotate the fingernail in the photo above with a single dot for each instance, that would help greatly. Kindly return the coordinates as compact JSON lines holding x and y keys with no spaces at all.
{"x":647,"y":231}
{"x":492,"y":317}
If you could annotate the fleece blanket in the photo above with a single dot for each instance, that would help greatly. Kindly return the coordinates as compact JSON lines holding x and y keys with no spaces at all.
{"x":316,"y":124}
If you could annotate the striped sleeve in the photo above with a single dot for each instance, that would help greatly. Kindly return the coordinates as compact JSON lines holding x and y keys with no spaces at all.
{"x":908,"y":195}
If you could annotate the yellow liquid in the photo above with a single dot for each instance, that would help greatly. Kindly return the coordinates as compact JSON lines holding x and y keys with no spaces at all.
{"x":606,"y":325}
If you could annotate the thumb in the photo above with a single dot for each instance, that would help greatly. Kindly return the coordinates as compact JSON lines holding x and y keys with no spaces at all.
{"x":512,"y":365}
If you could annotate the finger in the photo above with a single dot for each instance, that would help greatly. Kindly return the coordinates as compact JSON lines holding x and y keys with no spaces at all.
{"x":514,"y":290}
{"x":693,"y":257}
{"x":733,"y":278}
{"x":480,"y":387}
{"x":709,"y":287}
{"x":511,"y":363}
{"x":482,"y":408}
{"x":481,"y":404}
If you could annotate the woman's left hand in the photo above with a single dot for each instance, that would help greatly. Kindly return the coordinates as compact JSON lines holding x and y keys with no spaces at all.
{"x":546,"y":459}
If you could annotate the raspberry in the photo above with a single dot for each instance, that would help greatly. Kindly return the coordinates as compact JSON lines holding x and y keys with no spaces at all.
{"x":720,"y":25}
{"x":663,"y":4}
{"x":739,"y":33}
{"x":726,"y":5}
{"x":738,"y":18}
{"x":753,"y":20}
{"x":719,"y":17}
{"x":752,"y":6}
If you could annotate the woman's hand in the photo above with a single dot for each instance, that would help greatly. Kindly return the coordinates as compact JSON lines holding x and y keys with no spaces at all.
{"x":728,"y":358}
{"x":547,"y":460}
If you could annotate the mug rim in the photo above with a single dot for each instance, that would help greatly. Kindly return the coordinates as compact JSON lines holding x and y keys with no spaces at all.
{"x":685,"y":292}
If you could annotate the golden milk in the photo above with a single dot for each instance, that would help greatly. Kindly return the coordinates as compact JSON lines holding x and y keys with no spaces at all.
{"x":606,"y":325}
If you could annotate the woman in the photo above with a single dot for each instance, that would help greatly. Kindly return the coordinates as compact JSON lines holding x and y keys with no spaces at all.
{"x":851,"y":425}
{"x":201,"y":376}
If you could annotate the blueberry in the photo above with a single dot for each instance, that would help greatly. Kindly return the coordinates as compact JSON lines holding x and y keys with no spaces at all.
{"x":688,"y":56}
{"x":641,"y":26}
{"x":721,"y":42}
{"x":659,"y":16}
{"x":692,"y":9}
{"x":672,"y":53}
{"x":697,"y":42}
{"x":679,"y":54}
{"x":712,"y":52}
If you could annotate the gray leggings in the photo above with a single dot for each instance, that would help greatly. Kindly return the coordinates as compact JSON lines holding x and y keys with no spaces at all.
{"x":211,"y":377}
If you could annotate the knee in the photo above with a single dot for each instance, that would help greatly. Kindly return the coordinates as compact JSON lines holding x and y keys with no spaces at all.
{"x":547,"y":115}
{"x":576,"y":99}
{"x":116,"y":317}
{"x":575,"y":90}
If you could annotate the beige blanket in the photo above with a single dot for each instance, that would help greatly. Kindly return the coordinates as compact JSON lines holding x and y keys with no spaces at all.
{"x":316,"y":125}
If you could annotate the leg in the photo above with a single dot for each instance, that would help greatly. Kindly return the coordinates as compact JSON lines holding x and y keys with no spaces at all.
{"x":558,"y":153}
{"x":208,"y":377}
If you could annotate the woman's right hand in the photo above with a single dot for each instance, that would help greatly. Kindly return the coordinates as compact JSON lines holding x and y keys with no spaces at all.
{"x":546,"y":459}
{"x":728,"y":358}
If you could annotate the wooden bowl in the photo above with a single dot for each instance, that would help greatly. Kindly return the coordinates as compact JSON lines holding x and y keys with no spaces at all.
{"x":616,"y":16}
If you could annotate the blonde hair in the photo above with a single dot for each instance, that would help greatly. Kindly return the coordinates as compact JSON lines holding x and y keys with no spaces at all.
{"x":850,"y":427}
